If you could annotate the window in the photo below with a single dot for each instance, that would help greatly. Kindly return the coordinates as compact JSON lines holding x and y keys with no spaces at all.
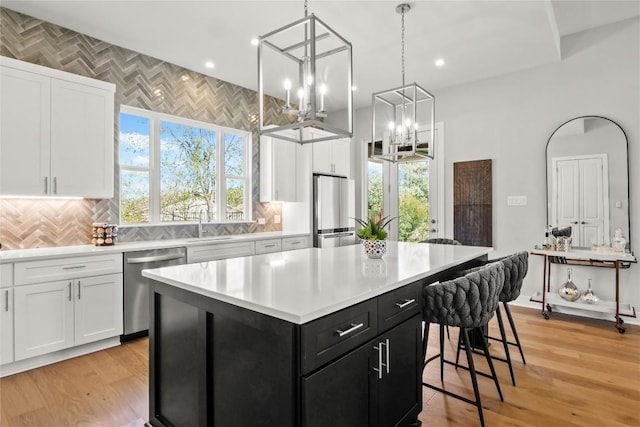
{"x":176,"y":170}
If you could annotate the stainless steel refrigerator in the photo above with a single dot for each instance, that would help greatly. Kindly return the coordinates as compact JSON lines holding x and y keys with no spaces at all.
{"x":333,"y":211}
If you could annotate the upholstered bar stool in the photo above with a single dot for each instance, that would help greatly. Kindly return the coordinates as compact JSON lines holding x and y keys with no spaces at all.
{"x":515,"y":269}
{"x":441,"y":241}
{"x":467,"y":303}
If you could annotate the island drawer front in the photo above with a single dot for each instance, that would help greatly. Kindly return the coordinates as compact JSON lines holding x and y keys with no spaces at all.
{"x":268,"y":246}
{"x":399,"y":305}
{"x":30,"y":272}
{"x":329,"y":337}
{"x":291,"y":243}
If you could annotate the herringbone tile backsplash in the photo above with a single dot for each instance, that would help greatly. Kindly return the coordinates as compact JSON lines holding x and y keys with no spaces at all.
{"x":141,"y":81}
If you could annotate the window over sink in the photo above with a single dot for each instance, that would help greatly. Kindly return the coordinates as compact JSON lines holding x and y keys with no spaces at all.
{"x":180,"y":170}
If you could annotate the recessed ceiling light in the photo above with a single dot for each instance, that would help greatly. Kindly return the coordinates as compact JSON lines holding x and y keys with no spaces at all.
{"x":440,"y":62}
{"x":209,"y":64}
{"x":254,"y":42}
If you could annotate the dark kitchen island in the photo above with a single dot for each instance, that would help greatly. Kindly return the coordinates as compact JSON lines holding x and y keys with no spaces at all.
{"x":312,"y":337}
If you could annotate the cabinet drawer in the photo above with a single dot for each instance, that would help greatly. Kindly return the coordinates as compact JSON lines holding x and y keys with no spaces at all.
{"x":399,"y":305}
{"x":267,"y":246}
{"x":332,"y":336}
{"x":67,"y":268}
{"x":290,"y":243}
{"x":6,"y":275}
{"x":219,"y":251}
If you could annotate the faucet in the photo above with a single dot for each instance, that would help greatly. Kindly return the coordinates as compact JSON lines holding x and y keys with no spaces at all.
{"x":200,"y":224}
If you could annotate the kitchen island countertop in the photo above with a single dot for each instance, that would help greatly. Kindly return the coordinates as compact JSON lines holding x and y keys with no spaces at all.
{"x":304,"y":285}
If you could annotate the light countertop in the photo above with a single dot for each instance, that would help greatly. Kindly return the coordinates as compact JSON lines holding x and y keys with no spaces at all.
{"x":303,"y":285}
{"x":53,"y":252}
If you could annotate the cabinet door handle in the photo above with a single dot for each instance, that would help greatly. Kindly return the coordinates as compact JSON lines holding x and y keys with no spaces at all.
{"x":354,"y":327}
{"x":79,"y":287}
{"x":70,"y":284}
{"x":6,"y":300}
{"x":379,"y":368}
{"x":74,"y":267}
{"x":55,"y":185}
{"x":387,"y":354}
{"x":46,"y":185}
{"x":405,"y":303}
{"x":276,"y":195}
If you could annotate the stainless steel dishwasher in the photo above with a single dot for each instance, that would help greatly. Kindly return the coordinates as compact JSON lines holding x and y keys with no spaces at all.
{"x":136,"y":287}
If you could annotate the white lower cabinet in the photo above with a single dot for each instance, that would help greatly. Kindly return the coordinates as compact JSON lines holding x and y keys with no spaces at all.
{"x":6,"y":326}
{"x":57,"y":315}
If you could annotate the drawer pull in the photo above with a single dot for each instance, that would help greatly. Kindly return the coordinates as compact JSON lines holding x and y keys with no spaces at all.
{"x":297,"y":242}
{"x":354,"y":327}
{"x":272,"y":245}
{"x":405,"y":303}
{"x":74,"y":267}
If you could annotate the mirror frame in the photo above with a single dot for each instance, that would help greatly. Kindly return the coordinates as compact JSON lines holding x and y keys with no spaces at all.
{"x":546,"y":166}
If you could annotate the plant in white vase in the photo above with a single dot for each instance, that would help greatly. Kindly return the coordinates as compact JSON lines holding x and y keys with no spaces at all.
{"x":374,"y":235}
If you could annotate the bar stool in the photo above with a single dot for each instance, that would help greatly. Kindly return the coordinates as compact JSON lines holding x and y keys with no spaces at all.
{"x":441,"y":241}
{"x":468,"y":303}
{"x":515,"y":269}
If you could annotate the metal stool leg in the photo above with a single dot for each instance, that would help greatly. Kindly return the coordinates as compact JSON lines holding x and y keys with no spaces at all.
{"x":441,"y":352}
{"x":513,"y":329}
{"x":472,"y":371}
{"x":485,"y":348}
{"x":505,"y":344}
{"x":425,"y":340}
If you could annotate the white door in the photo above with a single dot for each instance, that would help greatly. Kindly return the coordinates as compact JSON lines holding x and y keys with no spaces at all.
{"x":580,"y":188}
{"x":24,"y":133}
{"x":43,"y":318}
{"x":411,"y":192}
{"x":82,"y":142}
{"x":6,"y":326}
{"x":98,"y":308}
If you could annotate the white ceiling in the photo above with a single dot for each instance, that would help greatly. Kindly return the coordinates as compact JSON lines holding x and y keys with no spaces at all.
{"x":478,"y":39}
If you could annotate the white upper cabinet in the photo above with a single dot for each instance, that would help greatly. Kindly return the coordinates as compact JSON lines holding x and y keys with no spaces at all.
{"x":277,"y":170}
{"x":57,"y":133}
{"x":24,"y":132}
{"x":331,"y":157}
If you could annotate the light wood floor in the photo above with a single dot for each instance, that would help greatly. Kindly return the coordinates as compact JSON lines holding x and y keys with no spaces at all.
{"x":579,"y":372}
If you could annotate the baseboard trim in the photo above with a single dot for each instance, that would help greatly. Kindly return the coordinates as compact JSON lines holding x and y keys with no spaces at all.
{"x":57,"y":356}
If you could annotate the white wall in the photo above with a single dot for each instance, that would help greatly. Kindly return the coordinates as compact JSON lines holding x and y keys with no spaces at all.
{"x":510,"y":118}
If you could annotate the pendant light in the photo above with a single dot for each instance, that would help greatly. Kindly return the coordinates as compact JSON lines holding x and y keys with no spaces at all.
{"x":403,"y":118}
{"x":309,"y":65}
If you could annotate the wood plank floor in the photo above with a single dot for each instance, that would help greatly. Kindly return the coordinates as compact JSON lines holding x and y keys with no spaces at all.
{"x":579,"y":372}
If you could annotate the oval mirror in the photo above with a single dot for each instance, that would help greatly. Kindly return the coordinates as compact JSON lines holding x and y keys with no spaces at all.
{"x":588,"y":180}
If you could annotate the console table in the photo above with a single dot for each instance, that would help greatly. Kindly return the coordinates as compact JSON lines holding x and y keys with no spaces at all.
{"x":587,"y":258}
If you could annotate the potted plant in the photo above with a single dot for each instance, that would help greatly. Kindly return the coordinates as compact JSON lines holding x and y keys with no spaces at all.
{"x":373,"y":235}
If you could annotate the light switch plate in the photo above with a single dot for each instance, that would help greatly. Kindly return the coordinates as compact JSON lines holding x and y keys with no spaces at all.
{"x":276,"y":219}
{"x":517,"y":201}
{"x":261,"y":221}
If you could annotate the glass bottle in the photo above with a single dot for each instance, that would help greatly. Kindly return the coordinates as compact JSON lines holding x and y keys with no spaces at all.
{"x":618,"y":243}
{"x":569,"y":290}
{"x":549,"y":243}
{"x":589,"y":297}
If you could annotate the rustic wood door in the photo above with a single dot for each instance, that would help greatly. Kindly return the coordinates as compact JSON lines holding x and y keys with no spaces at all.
{"x":472,"y":203}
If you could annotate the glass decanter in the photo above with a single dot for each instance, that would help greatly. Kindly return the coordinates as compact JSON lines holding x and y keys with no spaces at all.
{"x":569,"y":290}
{"x":589,"y":297}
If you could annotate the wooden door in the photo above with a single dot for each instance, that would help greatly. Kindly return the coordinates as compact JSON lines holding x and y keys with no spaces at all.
{"x":472,"y":203}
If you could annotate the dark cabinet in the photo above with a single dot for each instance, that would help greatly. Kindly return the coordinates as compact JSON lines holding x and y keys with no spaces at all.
{"x":376,"y":384}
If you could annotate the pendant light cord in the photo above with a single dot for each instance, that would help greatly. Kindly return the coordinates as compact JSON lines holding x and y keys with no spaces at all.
{"x":402,"y":45}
